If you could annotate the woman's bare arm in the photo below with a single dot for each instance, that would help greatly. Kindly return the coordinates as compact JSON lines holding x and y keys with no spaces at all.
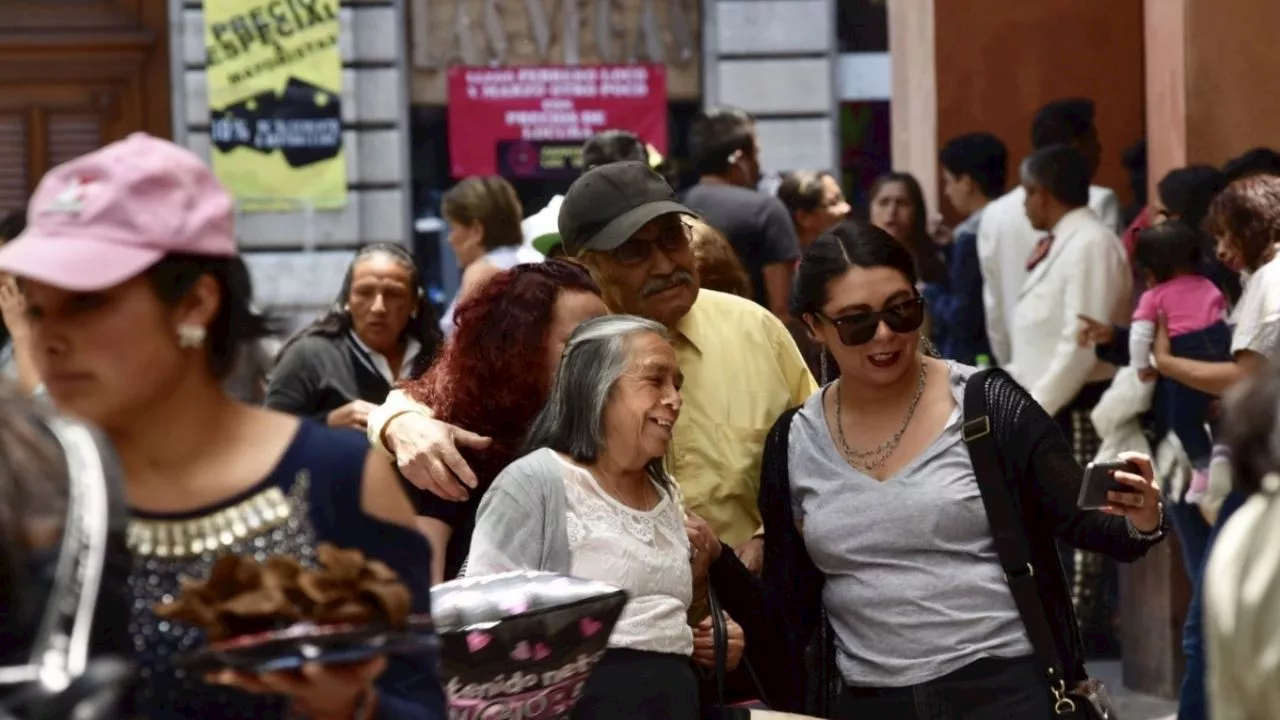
{"x":438,"y":534}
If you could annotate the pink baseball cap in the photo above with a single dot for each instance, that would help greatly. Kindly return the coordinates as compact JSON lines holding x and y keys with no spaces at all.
{"x":105,"y":217}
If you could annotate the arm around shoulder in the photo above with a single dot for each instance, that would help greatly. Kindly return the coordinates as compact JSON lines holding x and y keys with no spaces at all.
{"x":398,"y":403}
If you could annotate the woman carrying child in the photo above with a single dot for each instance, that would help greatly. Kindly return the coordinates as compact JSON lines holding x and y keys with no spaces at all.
{"x":1169,"y":256}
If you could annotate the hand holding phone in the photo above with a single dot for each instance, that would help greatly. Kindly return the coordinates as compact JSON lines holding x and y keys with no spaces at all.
{"x":1099,"y":480}
{"x":1126,"y":488}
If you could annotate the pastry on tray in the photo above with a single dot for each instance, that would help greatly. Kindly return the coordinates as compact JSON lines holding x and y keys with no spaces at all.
{"x":278,"y":613}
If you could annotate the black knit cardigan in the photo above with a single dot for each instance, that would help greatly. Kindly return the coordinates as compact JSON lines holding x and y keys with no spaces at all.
{"x":789,"y":640}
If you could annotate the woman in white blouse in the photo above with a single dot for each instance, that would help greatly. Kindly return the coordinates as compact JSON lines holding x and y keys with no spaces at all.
{"x":593,"y":500}
{"x":1245,"y":219}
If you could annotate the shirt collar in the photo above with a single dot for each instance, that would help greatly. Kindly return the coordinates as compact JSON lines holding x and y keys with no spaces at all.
{"x":380,"y":363}
{"x":692,"y":326}
{"x":970,"y":224}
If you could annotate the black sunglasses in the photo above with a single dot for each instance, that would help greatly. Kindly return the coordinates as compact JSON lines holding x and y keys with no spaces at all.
{"x":858,"y":328}
{"x":671,"y":239}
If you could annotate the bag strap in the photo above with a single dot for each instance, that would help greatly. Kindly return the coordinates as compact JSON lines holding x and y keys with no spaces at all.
{"x":1012,"y":546}
{"x":720,"y":642}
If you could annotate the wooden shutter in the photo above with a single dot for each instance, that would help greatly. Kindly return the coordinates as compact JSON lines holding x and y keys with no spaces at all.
{"x":13,"y":163}
{"x":72,"y":135}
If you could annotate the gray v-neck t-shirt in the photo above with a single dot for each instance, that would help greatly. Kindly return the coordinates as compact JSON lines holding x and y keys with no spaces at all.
{"x":914,"y":588}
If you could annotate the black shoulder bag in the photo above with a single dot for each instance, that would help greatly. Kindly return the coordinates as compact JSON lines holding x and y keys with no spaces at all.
{"x":1087,"y":700}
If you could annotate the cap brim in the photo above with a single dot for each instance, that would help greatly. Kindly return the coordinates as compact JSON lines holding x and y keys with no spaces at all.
{"x":78,"y":264}
{"x":629,"y":223}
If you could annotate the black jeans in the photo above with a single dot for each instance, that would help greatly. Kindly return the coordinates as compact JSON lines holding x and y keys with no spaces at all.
{"x":1184,"y":410}
{"x":989,"y":689}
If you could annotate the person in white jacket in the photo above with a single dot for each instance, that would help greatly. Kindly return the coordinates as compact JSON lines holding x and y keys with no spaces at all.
{"x":1077,"y":267}
{"x":1006,"y":239}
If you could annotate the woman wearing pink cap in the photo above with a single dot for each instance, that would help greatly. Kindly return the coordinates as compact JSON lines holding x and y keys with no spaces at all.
{"x":138,"y":306}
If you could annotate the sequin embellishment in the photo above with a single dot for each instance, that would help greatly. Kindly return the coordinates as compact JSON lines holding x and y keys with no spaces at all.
{"x":274,"y":521}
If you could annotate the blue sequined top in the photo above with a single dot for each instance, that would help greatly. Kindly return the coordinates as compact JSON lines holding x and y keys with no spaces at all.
{"x":312,"y":496}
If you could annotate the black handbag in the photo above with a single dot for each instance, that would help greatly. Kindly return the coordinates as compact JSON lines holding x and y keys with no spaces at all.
{"x":1088,"y":699}
{"x":720,"y":640}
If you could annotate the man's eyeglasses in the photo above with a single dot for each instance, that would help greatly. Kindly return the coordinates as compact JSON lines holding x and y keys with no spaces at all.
{"x":858,"y":328}
{"x":636,"y":250}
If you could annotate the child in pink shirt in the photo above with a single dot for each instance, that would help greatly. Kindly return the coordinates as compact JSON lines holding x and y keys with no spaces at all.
{"x":1170,"y":257}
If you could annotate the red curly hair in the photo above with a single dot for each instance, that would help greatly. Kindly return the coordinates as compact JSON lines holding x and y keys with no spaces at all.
{"x":491,"y":377}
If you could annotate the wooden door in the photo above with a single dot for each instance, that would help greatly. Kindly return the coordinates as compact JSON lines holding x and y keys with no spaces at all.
{"x":75,"y":74}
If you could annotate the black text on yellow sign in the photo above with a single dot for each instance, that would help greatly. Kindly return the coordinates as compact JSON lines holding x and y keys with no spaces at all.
{"x":275,"y":86}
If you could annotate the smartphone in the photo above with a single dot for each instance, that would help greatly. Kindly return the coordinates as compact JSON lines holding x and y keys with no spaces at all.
{"x":1098,"y":481}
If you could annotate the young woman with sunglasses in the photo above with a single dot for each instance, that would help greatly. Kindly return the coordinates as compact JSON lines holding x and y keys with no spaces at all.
{"x":873,"y":515}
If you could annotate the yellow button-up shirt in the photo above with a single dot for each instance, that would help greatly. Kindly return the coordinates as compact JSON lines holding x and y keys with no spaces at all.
{"x":742,"y":370}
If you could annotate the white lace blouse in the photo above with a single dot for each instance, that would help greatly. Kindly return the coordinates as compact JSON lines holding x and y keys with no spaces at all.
{"x":645,"y":553}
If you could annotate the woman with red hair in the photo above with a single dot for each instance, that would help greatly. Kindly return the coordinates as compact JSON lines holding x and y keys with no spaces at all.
{"x":493,"y":377}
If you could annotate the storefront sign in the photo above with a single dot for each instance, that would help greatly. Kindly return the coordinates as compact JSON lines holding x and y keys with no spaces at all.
{"x":275,"y":86}
{"x":541,"y":160}
{"x":525,"y":120}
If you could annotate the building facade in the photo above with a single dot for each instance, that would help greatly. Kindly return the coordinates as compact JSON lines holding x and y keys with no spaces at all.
{"x":298,"y":257}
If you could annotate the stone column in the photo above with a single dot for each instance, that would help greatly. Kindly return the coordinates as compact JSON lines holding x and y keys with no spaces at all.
{"x":1209,"y":70}
{"x":776,"y":59}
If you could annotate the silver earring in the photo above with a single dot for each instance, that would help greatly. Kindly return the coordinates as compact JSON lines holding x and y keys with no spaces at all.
{"x":191,"y":336}
{"x":824,"y":373}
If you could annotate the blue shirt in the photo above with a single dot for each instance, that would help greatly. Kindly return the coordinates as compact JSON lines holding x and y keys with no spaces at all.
{"x":312,"y":496}
{"x":958,"y":321}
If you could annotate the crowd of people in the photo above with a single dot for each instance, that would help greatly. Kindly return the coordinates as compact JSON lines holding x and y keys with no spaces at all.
{"x":778,"y":428}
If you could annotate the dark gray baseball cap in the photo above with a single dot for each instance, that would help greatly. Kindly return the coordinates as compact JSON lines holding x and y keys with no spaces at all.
{"x":608,"y":204}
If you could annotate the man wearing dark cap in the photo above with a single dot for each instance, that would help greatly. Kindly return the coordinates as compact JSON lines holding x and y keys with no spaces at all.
{"x":741,"y":367}
{"x":614,"y":218}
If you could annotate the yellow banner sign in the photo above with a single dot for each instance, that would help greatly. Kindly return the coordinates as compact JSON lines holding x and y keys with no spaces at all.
{"x":275,"y":102}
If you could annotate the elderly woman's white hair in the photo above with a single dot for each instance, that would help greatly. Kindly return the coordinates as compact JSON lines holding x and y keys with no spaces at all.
{"x":595,"y":356}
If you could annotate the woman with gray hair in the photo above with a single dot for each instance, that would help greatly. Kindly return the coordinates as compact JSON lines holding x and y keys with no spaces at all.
{"x":592,"y":499}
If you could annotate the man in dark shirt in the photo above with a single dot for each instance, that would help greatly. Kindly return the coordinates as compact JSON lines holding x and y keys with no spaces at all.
{"x":726,"y":156}
{"x":973,"y":174}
